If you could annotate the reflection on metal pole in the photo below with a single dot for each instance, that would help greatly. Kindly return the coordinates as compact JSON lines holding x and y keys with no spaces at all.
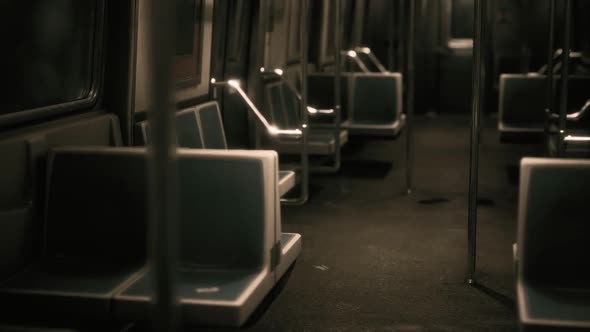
{"x":477,"y":106}
{"x":303,"y":35}
{"x":565,"y":62}
{"x":337,"y":81}
{"x":550,"y":64}
{"x":411,"y":81}
{"x":162,"y":166}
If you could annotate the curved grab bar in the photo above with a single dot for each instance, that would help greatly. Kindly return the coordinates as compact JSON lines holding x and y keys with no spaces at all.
{"x":351,"y":54}
{"x":577,"y":116}
{"x":580,"y":114}
{"x":556,"y":59}
{"x":311,"y":110}
{"x":272,"y":130}
{"x":367,"y":51}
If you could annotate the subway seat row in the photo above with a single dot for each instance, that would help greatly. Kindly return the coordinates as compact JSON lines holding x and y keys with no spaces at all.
{"x":93,"y":261}
{"x":551,"y":253}
{"x":201,"y":127}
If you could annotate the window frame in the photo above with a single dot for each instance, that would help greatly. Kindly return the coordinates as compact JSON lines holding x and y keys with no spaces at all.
{"x":189,"y":91}
{"x":192,"y":61}
{"x":92,"y":95}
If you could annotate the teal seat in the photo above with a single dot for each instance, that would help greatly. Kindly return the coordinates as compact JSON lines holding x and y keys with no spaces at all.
{"x":94,"y":241}
{"x":522,"y":104}
{"x":23,"y":179}
{"x":201,"y":127}
{"x":372,"y":103}
{"x":232,"y":250}
{"x":375,"y":105}
{"x":553,"y":244}
{"x":283,"y":108}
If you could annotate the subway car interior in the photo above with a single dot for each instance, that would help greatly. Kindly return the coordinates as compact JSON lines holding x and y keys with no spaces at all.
{"x":295,"y":165}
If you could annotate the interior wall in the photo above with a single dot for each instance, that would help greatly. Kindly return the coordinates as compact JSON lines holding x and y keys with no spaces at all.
{"x":143,"y":89}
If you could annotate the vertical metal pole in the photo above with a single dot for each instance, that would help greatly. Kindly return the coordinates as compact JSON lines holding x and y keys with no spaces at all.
{"x":550,"y":64}
{"x":303,"y":35}
{"x":411,"y":82}
{"x":337,"y":81}
{"x":565,"y":55}
{"x":477,"y":105}
{"x":162,"y":166}
{"x":162,"y":173}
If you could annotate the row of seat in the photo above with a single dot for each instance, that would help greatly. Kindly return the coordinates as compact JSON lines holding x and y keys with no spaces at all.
{"x":522,"y":102}
{"x":552,"y":266}
{"x":232,"y":249}
{"x":201,"y":127}
{"x":371,"y":102}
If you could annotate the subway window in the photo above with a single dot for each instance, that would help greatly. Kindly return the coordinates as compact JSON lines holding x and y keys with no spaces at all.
{"x":52,"y":53}
{"x":187,"y":61}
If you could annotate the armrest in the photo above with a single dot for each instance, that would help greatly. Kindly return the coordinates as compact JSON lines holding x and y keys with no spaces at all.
{"x":371,"y":57}
{"x":574,"y":117}
{"x":319,"y":112}
{"x":310,"y":110}
{"x":581,"y":113}
{"x":271,"y":130}
{"x":352,"y":54}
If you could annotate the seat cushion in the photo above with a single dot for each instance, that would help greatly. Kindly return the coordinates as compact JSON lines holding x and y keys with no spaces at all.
{"x":61,"y":287}
{"x":379,"y":130}
{"x":290,"y":250}
{"x":220,"y":297}
{"x":286,"y":182}
{"x":553,"y":309}
{"x":320,"y":142}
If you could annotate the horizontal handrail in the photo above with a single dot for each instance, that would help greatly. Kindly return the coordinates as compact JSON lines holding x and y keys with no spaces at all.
{"x":577,"y":116}
{"x":576,"y":139}
{"x":351,"y":54}
{"x":581,"y":113}
{"x":556,"y":58}
{"x":367,"y":51}
{"x":272,"y":130}
{"x":311,"y":110}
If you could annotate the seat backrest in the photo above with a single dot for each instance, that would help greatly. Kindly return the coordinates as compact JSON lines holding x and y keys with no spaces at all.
{"x":321,"y":91}
{"x":96,"y":204}
{"x":210,"y":126}
{"x":227,"y":200}
{"x":522,"y":100}
{"x":199,"y":127}
{"x":188,"y":130}
{"x":229,"y":207}
{"x":553,"y":228}
{"x":22,"y":181}
{"x":276,"y":109}
{"x":375,"y":98}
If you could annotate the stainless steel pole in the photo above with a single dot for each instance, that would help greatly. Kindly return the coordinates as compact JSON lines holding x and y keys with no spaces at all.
{"x":411,"y":82}
{"x":565,"y":62}
{"x":550,"y":62}
{"x":477,"y":106}
{"x":303,"y":35}
{"x":338,"y":81}
{"x":162,"y":166}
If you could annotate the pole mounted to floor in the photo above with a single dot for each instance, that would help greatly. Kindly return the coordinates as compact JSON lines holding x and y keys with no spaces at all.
{"x":303,"y":35}
{"x":477,"y":106}
{"x":337,"y":81}
{"x":162,"y":174}
{"x":565,"y":64}
{"x":411,"y":82}
{"x":550,"y":64}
